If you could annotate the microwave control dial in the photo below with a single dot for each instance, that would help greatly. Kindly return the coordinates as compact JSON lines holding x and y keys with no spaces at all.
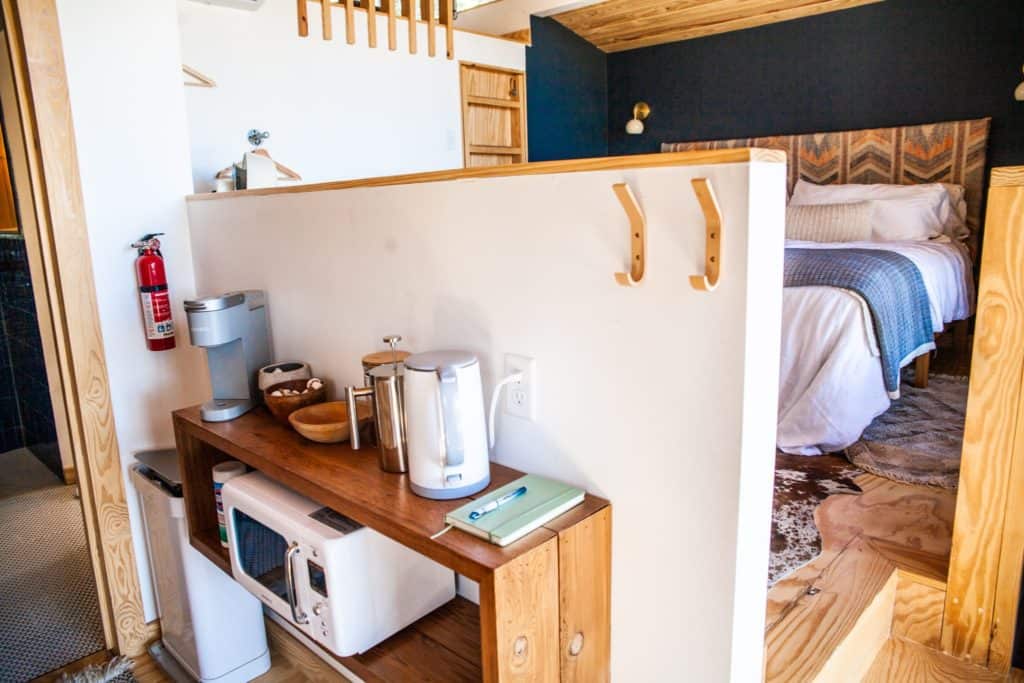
{"x":318,"y":608}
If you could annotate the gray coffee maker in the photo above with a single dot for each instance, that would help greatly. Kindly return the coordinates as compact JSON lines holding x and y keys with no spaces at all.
{"x":232,"y":327}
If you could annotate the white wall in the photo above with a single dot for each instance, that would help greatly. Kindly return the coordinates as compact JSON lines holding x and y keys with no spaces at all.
{"x":335,"y":111}
{"x":128,"y":109}
{"x":661,"y":398}
{"x":505,"y":16}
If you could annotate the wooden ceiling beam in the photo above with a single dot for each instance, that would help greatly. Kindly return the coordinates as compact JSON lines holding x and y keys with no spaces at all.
{"x":618,"y":25}
{"x":666,"y":16}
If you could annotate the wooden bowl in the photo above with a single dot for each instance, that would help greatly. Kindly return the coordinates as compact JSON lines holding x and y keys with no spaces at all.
{"x":283,"y":406}
{"x":326,"y":422}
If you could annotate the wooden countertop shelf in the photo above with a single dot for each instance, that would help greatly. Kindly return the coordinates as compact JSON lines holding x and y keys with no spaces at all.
{"x":544,"y":600}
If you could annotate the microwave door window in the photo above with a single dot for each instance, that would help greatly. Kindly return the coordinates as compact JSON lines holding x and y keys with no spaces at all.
{"x":261,"y":552}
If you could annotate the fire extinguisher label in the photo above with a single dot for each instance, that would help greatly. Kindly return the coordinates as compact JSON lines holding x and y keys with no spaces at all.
{"x":156,"y":309}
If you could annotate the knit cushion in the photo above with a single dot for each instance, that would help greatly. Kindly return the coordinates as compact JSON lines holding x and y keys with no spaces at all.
{"x":829,"y":222}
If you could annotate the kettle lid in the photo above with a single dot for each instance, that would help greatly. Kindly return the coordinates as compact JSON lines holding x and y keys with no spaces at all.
{"x":432,"y":361}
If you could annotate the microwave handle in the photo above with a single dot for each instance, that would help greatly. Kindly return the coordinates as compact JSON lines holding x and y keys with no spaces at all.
{"x":289,"y":582}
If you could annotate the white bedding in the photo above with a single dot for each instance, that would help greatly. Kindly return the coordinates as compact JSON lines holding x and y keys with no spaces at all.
{"x":831,"y":385}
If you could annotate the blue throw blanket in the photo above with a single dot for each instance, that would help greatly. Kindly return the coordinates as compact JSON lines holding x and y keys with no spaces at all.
{"x":891,"y":285}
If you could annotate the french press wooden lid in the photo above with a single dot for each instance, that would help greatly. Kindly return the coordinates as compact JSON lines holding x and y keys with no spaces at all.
{"x":392,"y":355}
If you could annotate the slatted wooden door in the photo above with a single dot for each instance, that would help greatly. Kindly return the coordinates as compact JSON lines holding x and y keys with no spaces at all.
{"x":493,"y":115}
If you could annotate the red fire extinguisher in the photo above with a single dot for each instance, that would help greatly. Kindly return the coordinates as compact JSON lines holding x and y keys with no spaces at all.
{"x":156,"y":301}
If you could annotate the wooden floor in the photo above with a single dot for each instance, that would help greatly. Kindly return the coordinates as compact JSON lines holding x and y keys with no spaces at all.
{"x":284,"y":667}
{"x":912,"y":526}
{"x":146,"y":670}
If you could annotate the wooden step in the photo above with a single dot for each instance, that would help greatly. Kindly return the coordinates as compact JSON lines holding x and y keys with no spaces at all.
{"x":900,"y":661}
{"x":835,"y":631}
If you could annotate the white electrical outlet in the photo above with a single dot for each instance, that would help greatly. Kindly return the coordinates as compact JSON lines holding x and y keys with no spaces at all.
{"x":521,"y":397}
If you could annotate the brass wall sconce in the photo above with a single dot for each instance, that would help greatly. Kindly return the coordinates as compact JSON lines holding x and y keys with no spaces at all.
{"x":635,"y":126}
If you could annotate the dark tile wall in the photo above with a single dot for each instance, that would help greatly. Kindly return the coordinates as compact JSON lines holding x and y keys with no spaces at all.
{"x":11,"y":434}
{"x":28,"y":410}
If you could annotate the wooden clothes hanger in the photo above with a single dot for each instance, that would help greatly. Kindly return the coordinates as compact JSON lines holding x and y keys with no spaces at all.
{"x":256,"y":137}
{"x":286,"y":173}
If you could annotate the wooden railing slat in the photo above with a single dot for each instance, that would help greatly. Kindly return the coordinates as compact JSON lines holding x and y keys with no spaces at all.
{"x":409,"y":11}
{"x":371,"y":22}
{"x":445,"y":7}
{"x":303,"y":17}
{"x":427,"y":13}
{"x":325,"y":19}
{"x":350,"y":22}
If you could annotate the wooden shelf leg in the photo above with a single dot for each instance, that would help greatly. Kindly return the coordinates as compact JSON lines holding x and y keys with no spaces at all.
{"x":519,"y":618}
{"x":585,"y":586}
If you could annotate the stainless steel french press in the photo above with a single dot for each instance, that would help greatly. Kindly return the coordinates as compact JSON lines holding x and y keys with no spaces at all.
{"x":385,"y":384}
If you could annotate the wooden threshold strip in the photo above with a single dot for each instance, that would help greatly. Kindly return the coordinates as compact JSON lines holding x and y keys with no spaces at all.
{"x":493,"y":149}
{"x":493,"y":102}
{"x":696,"y":158}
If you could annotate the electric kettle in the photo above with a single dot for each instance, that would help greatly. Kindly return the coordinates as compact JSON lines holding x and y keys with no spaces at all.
{"x":446,"y":433}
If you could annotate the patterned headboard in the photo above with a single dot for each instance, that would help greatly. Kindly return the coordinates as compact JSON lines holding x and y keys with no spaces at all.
{"x":949,"y":152}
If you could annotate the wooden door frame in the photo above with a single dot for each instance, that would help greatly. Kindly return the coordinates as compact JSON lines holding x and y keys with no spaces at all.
{"x":61,"y":270}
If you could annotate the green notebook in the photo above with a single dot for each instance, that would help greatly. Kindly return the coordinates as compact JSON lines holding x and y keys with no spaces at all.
{"x":519,"y":511}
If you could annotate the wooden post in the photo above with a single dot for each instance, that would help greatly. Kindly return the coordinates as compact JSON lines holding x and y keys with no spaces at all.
{"x":519,"y":618}
{"x":988,"y":533}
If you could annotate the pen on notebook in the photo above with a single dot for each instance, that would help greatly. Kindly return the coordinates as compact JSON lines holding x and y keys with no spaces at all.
{"x":495,"y":504}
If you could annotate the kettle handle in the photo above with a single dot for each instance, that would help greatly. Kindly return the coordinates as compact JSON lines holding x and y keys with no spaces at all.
{"x":454,"y":446}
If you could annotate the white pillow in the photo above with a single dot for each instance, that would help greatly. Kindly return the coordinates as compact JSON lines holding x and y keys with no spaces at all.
{"x":956,"y":226}
{"x":829,"y":222}
{"x":904,"y":220}
{"x":909,"y":212}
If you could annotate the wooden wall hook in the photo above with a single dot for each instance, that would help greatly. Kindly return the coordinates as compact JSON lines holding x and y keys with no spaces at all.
{"x":198,"y":78}
{"x":713,"y":227}
{"x":637,"y":236}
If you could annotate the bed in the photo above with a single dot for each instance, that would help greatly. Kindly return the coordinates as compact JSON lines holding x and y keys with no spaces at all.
{"x":831,"y":375}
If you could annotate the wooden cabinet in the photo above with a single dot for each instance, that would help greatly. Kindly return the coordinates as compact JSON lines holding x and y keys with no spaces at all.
{"x":544,"y":611}
{"x":493,"y":115}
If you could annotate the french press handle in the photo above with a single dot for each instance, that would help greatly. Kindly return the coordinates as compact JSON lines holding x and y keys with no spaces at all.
{"x":454,"y":446}
{"x":351,"y":394}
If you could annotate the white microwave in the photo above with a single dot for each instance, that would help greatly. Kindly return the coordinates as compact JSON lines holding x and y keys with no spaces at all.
{"x":344,"y":585}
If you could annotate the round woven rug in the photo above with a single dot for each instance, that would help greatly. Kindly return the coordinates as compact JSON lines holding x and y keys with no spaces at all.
{"x":918,"y":440}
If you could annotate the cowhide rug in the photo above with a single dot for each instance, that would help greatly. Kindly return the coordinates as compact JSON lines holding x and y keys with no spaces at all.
{"x":801,"y":484}
{"x":918,"y":440}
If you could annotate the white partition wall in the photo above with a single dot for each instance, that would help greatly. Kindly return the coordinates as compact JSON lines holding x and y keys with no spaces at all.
{"x":659,"y":397}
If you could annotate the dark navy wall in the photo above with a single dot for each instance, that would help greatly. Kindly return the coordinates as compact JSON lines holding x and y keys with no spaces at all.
{"x":891,"y":63}
{"x":567,"y":94}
